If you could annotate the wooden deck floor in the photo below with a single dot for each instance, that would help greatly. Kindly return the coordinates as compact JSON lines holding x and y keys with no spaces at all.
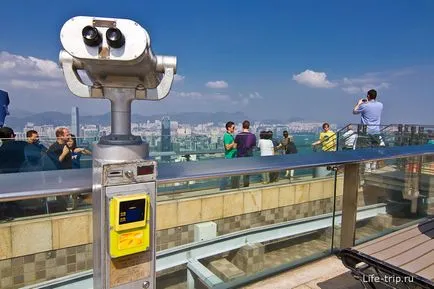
{"x":328,"y":273}
{"x":411,"y":249}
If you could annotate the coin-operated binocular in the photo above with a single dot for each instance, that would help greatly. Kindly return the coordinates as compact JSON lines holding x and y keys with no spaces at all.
{"x":116,"y":55}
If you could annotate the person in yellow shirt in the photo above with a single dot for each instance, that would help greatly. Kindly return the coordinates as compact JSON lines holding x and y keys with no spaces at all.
{"x":327,"y":138}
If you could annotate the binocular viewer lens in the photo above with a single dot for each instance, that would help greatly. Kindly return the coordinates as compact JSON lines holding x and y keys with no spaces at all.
{"x":115,"y":38}
{"x":92,"y":37}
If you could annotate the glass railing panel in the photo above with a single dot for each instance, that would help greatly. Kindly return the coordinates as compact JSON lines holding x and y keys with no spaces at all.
{"x":400,"y":190}
{"x":228,"y":208}
{"x":200,"y":147}
{"x":52,"y":236}
{"x":177,"y":190}
{"x":44,"y":239}
{"x":357,"y":136}
{"x":19,"y":155}
{"x":43,"y":207}
{"x":26,"y":156}
{"x":198,"y":210}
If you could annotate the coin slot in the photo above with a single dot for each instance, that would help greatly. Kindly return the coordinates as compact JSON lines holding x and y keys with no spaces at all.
{"x":115,"y":173}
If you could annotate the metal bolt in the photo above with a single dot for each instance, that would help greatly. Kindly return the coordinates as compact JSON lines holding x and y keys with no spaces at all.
{"x":146,"y":285}
{"x":129,"y":174}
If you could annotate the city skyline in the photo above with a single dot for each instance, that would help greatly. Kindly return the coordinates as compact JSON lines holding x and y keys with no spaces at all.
{"x":165,"y":126}
{"x":171,"y":136}
{"x":270,"y":60}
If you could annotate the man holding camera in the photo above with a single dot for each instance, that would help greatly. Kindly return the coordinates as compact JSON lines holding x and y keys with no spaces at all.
{"x":370,"y":115}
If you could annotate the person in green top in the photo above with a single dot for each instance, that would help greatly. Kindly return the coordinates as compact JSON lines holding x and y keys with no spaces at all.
{"x":228,"y":140}
{"x":230,"y":153}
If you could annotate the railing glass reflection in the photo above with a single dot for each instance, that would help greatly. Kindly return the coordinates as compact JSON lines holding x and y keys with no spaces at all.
{"x":403,"y":186}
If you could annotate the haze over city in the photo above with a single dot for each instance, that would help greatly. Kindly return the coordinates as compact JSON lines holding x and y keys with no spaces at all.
{"x":279,"y":59}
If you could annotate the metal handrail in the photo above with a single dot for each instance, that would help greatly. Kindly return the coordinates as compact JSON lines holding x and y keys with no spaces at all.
{"x":32,"y":185}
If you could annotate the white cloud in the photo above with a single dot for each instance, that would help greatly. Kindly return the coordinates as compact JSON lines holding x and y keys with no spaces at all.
{"x":179,"y":77}
{"x":313,"y":79}
{"x":245,"y":101}
{"x":351,"y":89}
{"x":255,"y":95}
{"x":191,"y":94}
{"x":217,"y":84}
{"x":361,"y":84}
{"x":218,"y":96}
{"x":29,"y":73}
{"x":364,"y":83}
{"x":40,"y":84}
{"x":201,"y":96}
{"x":16,"y":65}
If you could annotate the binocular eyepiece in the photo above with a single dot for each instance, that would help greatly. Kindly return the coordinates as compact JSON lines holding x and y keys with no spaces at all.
{"x":92,"y":37}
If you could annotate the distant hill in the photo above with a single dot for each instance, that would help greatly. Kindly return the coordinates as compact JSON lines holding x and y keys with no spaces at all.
{"x":59,"y":119}
{"x":20,"y":112}
{"x":49,"y":117}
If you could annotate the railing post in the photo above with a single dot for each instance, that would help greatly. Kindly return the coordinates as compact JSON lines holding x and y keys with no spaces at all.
{"x":190,"y":280}
{"x":422,"y":136}
{"x":349,"y":205}
{"x":413,"y":136}
{"x":399,"y":136}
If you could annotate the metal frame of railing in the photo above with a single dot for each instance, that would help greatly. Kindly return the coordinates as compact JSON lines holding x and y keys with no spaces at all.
{"x":410,"y":132}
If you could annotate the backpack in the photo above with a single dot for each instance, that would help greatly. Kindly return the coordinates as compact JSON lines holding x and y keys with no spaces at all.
{"x":291,"y":148}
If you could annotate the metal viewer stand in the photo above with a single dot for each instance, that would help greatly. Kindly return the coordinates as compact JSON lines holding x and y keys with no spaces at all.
{"x":117,"y":57}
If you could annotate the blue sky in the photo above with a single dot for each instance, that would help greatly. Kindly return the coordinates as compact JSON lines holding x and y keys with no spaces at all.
{"x":270,"y":59}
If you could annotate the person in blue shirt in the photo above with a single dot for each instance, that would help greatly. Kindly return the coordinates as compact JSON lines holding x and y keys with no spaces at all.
{"x":35,"y":153}
{"x":4,"y":103}
{"x":370,"y":111}
{"x":76,"y":152}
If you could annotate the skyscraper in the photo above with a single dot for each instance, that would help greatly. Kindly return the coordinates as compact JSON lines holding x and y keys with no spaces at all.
{"x":75,"y":122}
{"x":166,"y":143}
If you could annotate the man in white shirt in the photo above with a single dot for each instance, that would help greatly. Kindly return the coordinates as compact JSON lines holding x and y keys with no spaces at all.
{"x":349,"y":138}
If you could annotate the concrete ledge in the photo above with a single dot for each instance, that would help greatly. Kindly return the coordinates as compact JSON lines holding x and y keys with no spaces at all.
{"x":225,"y":270}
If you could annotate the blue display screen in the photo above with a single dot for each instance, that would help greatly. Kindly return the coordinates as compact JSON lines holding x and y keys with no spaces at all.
{"x":132,"y":211}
